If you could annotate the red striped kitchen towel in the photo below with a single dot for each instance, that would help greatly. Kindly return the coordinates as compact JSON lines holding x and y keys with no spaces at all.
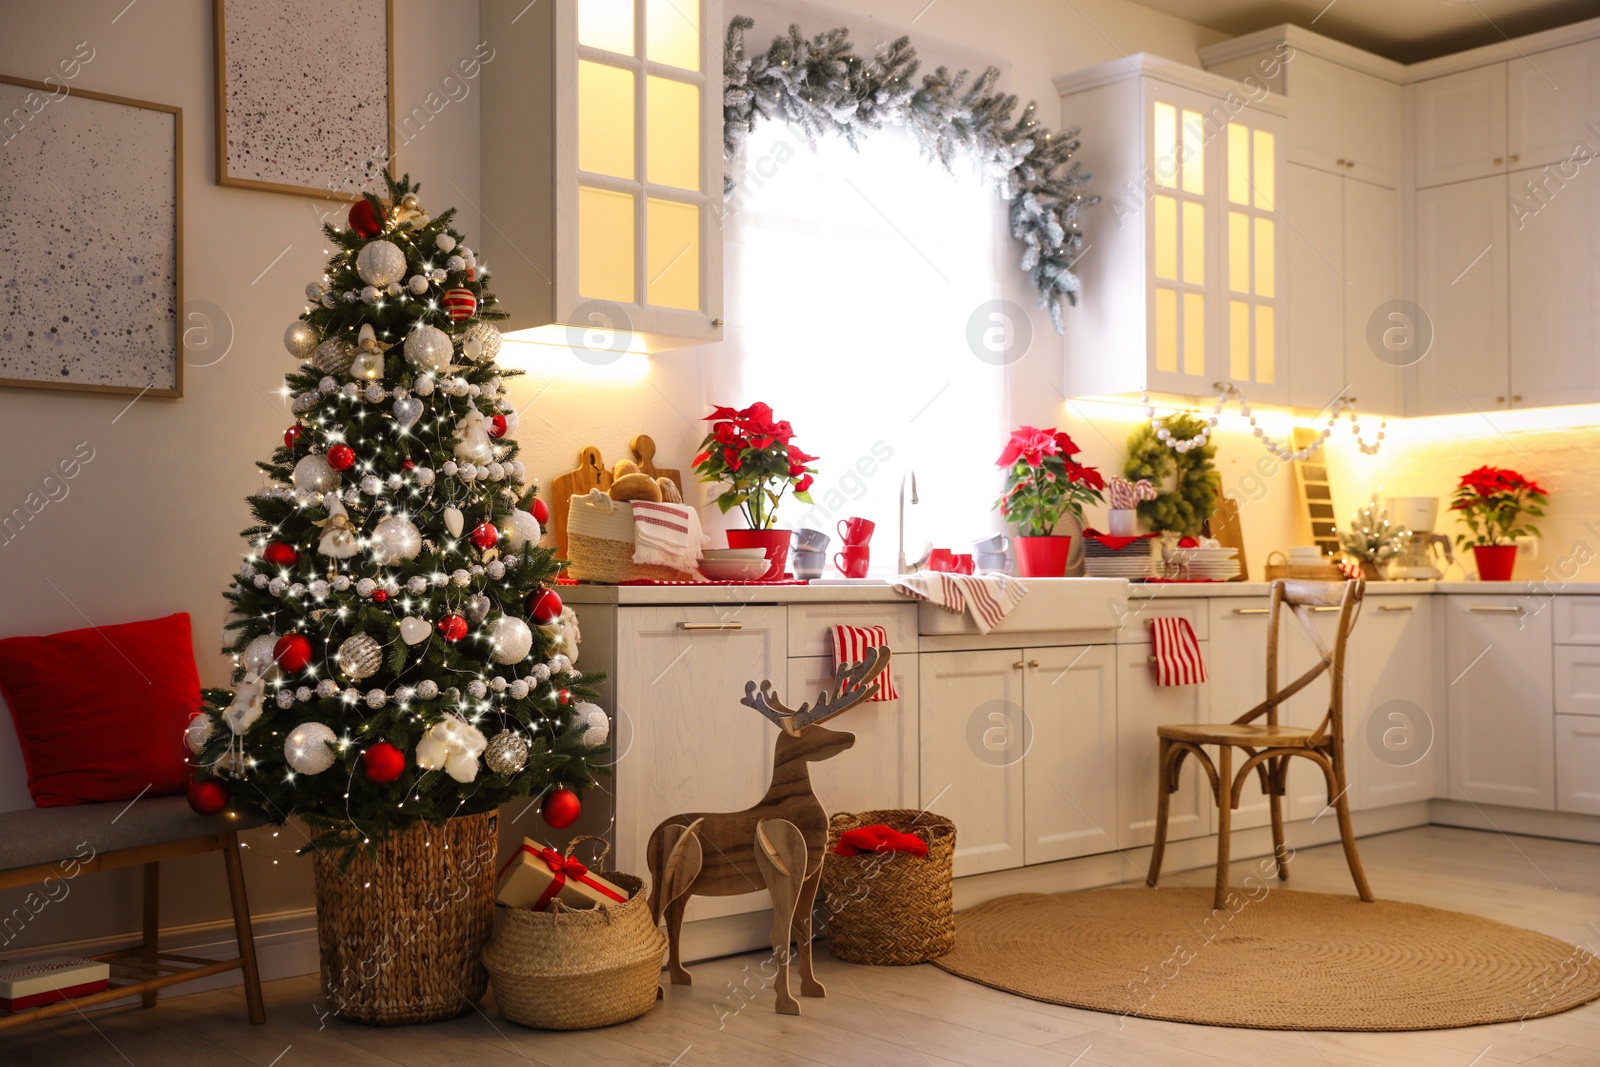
{"x":1177,"y":652}
{"x":850,"y":644}
{"x":988,"y":598}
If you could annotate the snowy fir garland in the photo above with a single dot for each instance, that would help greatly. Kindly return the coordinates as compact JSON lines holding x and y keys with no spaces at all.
{"x":822,"y":86}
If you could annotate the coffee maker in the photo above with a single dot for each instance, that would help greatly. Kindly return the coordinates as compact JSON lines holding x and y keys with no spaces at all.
{"x":1419,"y":559}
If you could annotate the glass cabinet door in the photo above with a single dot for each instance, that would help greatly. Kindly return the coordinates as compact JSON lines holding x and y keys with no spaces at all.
{"x":1181,"y":248}
{"x":1254,"y":323}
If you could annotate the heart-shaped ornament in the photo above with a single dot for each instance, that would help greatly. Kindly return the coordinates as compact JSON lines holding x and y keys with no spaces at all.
{"x":407,"y":410}
{"x":477,"y":607}
{"x":414,"y":630}
{"x":453,"y":521}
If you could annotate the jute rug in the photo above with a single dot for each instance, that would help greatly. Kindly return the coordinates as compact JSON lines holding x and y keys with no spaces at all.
{"x":1282,"y":961}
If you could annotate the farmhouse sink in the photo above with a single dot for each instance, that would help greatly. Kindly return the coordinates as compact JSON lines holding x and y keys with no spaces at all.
{"x":1052,"y":604}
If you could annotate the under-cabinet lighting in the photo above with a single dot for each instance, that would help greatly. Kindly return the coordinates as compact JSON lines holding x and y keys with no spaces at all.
{"x":550,"y":359}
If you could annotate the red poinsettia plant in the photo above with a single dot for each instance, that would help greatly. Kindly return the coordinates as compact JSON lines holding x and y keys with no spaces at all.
{"x":1044,"y":482}
{"x":1490,"y":500}
{"x":754,"y":454}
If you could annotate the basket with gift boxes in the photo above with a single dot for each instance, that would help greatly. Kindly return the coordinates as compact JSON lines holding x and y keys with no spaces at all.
{"x":573,"y":948}
{"x":39,"y":982}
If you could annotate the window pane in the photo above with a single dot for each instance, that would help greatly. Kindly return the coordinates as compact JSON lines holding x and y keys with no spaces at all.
{"x":672,"y":133}
{"x":1238,"y":251}
{"x":1194,"y":153}
{"x":1166,"y":146}
{"x":1194,"y":333}
{"x":1166,"y":238}
{"x":606,"y":24}
{"x":672,"y":254}
{"x":1266,"y":350}
{"x":605,"y":245}
{"x":672,"y":33}
{"x":1266,"y":173}
{"x":1238,"y":164}
{"x":1194,"y":243}
{"x":605,"y":119}
{"x":1166,"y":331}
{"x":1239,"y":340}
{"x":1266,"y":263}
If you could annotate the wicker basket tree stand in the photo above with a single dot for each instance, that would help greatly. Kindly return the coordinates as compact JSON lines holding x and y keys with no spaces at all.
{"x":400,"y":932}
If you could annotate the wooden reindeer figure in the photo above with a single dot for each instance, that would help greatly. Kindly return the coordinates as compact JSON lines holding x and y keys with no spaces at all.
{"x":777,"y":844}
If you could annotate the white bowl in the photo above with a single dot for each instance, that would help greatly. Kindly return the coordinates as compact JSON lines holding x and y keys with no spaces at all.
{"x":734,"y":570}
{"x":734,"y":553}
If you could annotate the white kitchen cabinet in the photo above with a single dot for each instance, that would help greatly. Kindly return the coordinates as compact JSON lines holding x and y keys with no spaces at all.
{"x":974,"y":739}
{"x":1236,"y":671}
{"x":1577,"y":679}
{"x":1551,"y":98}
{"x":1500,"y":705}
{"x":1578,"y":764}
{"x":1070,"y":795}
{"x":1142,"y":705}
{"x":1344,"y":122}
{"x":1554,"y":272}
{"x":1374,"y":279}
{"x":1308,"y":787}
{"x":1577,"y":620}
{"x":1394,"y":722}
{"x":1317,"y":285}
{"x":880,"y":769}
{"x":1462,"y":287}
{"x":684,"y":742}
{"x":1460,"y":126}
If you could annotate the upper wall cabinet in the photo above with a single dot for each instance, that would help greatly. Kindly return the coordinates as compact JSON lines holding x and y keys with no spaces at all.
{"x":1186,"y":275}
{"x":1461,"y":126}
{"x":602,"y":170}
{"x":1343,"y":121}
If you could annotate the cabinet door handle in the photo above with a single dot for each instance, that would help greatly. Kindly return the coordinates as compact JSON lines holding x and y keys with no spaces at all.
{"x":1497,"y":609}
{"x":1350,"y":163}
{"x":1514,"y":158}
{"x":1499,"y":400}
{"x":1515,"y":399}
{"x":1251,"y":611}
{"x":1395,"y":607}
{"x":1339,"y":163}
{"x":1033,"y":663}
{"x":1497,"y":161}
{"x":1017,"y":666}
{"x":711,"y":626}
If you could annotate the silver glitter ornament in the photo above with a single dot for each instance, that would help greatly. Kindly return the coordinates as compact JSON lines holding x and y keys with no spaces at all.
{"x":306,"y":748}
{"x":333,"y":356}
{"x":360,"y":656}
{"x":507,"y":753}
{"x":300,"y":339}
{"x":380,"y":263}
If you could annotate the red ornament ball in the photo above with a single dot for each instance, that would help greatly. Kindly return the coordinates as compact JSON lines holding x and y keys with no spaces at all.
{"x":292,"y":435}
{"x":208,"y":797}
{"x":408,"y":465}
{"x":561,"y":809}
{"x":383,"y":762}
{"x":485,"y":536}
{"x":364,"y":219}
{"x":541,"y":511}
{"x":452,"y":628}
{"x":341,"y":457}
{"x":292,"y":652}
{"x":563,"y":697}
{"x":544,"y":606}
{"x":497,"y":426}
{"x":380,"y":595}
{"x":459,"y":304}
{"x":280,"y":554}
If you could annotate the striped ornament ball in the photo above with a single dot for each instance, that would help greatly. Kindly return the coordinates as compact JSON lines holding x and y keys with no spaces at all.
{"x":459,"y":304}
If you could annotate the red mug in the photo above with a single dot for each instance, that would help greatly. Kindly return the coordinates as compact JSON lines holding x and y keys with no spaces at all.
{"x":941,"y":559}
{"x":852,"y":562}
{"x":962,"y":563}
{"x":856,"y":532}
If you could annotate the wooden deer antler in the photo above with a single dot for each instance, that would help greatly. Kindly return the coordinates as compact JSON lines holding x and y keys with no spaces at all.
{"x":850,"y":688}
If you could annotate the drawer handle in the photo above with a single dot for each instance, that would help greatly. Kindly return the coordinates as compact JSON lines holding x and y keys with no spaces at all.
{"x":1251,"y":611}
{"x":1497,"y":161}
{"x":711,"y":626}
{"x":1033,"y":663}
{"x":1395,"y":607}
{"x":1017,"y":666}
{"x":1497,"y":609}
{"x":1328,"y":607}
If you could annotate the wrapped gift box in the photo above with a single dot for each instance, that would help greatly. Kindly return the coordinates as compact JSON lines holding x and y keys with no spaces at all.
{"x":538,"y":874}
{"x":29,"y":985}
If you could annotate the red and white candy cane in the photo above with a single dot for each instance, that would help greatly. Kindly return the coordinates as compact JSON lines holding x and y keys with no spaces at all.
{"x":1125,"y":495}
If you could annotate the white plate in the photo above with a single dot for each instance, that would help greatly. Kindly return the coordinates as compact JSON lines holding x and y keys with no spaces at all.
{"x":734,"y":553}
{"x":733,"y":570}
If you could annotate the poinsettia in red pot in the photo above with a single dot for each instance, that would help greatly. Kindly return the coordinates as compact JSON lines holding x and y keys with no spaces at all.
{"x":1490,"y":502}
{"x":1043,"y":483}
{"x":753,"y":454}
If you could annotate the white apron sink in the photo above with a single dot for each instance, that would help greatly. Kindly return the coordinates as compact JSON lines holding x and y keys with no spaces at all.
{"x":1052,"y":605}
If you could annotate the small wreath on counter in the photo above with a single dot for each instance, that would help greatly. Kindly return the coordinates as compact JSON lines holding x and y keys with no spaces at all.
{"x":1185,"y":509}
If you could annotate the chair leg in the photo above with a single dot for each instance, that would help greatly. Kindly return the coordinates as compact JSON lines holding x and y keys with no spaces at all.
{"x":1280,"y":854}
{"x":1163,"y":800}
{"x":1348,"y":835}
{"x":1224,"y":820}
{"x":152,"y":925}
{"x":241,"y":929}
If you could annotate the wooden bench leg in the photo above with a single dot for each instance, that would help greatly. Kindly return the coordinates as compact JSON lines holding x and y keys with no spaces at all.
{"x":241,"y":929}
{"x":152,"y":925}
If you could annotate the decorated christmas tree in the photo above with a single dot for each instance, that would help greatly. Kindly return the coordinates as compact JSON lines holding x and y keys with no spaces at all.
{"x":400,"y":653}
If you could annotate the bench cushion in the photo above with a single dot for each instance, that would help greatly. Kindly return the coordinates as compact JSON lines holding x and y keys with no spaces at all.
{"x":49,"y":835}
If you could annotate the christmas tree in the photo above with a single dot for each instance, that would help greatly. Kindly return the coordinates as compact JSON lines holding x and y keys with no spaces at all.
{"x":400,"y":655}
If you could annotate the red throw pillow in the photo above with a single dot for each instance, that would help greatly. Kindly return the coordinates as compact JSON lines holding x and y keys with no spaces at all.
{"x":101,"y":712}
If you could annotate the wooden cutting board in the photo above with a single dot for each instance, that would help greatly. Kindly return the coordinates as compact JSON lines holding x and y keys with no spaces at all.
{"x":592,"y":473}
{"x":643,"y":448}
{"x":1225,"y":527}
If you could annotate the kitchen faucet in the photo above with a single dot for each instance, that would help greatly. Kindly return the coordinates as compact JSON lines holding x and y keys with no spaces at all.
{"x":911,"y":476}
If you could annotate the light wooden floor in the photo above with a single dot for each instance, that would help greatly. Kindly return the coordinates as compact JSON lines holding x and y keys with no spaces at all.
{"x":915,"y":1016}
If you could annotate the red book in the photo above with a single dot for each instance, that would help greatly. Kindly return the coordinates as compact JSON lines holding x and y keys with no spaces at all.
{"x":40,"y":982}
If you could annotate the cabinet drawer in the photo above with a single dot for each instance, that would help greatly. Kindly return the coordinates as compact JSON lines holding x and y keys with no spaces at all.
{"x":1135,"y":630}
{"x":1577,"y":680}
{"x":1578,"y":764}
{"x":1577,"y":620}
{"x":811,"y":625}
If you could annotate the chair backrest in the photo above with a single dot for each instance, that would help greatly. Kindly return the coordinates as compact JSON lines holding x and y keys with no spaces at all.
{"x":1301,"y":599}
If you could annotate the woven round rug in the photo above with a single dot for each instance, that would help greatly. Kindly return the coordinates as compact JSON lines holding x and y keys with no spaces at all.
{"x":1283,"y":961}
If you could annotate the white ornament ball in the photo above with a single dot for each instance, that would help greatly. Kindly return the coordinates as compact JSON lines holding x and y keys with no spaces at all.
{"x":507,"y":753}
{"x":376,"y":698}
{"x":424,"y":476}
{"x":349,"y":389}
{"x":370,"y":295}
{"x":444,"y":243}
{"x":518,"y":690}
{"x":365,"y":587}
{"x":303,"y":694}
{"x":380,"y":263}
{"x":313,"y":474}
{"x":257,"y":655}
{"x":327,"y":689}
{"x":374,"y":394}
{"x":476,"y":689}
{"x":319,"y":588}
{"x":461,"y":577}
{"x":395,"y":539}
{"x":327,"y":385}
{"x":404,"y":694}
{"x":360,"y":656}
{"x":428,"y":348}
{"x":418,"y":284}
{"x":498,"y":684}
{"x":455,"y":263}
{"x":510,"y":639}
{"x":198,"y":733}
{"x":597,"y":727}
{"x":394,"y":481}
{"x":416,"y":585}
{"x":427,"y":689}
{"x":285,"y":698}
{"x":496,"y":569}
{"x":277,"y":586}
{"x":306,"y":748}
{"x":300,"y":339}
{"x":522,"y":529}
{"x":488,"y":338}
{"x":314,"y":291}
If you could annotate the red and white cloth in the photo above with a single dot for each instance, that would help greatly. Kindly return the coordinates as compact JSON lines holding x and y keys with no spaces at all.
{"x":1176,"y":652}
{"x":667,"y":535}
{"x":988,"y":598}
{"x":31,"y":985}
{"x":850,"y":645}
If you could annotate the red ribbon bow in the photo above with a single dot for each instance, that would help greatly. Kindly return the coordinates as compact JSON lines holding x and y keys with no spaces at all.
{"x":562,"y":868}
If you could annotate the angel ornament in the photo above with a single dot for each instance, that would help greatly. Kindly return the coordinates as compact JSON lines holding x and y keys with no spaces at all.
{"x":473,"y":443}
{"x":338,"y":533}
{"x":368,"y":364}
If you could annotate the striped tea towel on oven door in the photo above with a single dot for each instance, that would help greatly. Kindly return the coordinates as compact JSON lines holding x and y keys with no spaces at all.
{"x":850,"y":644}
{"x":1176,"y":652}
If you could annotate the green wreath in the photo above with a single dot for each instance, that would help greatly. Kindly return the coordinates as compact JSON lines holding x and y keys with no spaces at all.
{"x":1186,"y":508}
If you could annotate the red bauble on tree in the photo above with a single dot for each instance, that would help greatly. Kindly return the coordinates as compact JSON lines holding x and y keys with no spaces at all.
{"x":292,"y":435}
{"x":341,"y":457}
{"x":541,"y":511}
{"x":383,"y":762}
{"x":452,"y":628}
{"x":292,"y":652}
{"x":208,"y":797}
{"x":561,"y":808}
{"x":280,"y":554}
{"x":485,"y":536}
{"x":409,"y":465}
{"x":497,"y":426}
{"x":380,"y":596}
{"x":364,"y":219}
{"x":563,"y":697}
{"x":459,"y":304}
{"x":544,"y":606}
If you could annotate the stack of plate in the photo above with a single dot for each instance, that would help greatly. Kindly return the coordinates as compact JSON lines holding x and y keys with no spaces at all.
{"x":1130,"y":561}
{"x":1206,"y":564}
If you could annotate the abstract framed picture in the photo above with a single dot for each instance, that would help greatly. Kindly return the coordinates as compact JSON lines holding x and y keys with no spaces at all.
{"x":91,"y":194}
{"x":305,"y":95}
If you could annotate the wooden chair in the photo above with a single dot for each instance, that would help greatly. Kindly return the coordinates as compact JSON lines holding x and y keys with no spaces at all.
{"x":1269,"y":745}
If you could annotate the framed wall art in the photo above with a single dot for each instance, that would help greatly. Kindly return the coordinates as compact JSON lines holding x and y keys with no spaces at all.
{"x":305,"y":95}
{"x":91,"y":194}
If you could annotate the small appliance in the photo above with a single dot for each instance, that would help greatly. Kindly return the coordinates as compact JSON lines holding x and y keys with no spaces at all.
{"x":1419,"y":559}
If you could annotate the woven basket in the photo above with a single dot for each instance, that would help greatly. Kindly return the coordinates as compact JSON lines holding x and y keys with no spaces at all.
{"x":600,"y":544}
{"x":399,"y":933}
{"x":888,"y":908}
{"x":577,"y":968}
{"x":1311,"y":572}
